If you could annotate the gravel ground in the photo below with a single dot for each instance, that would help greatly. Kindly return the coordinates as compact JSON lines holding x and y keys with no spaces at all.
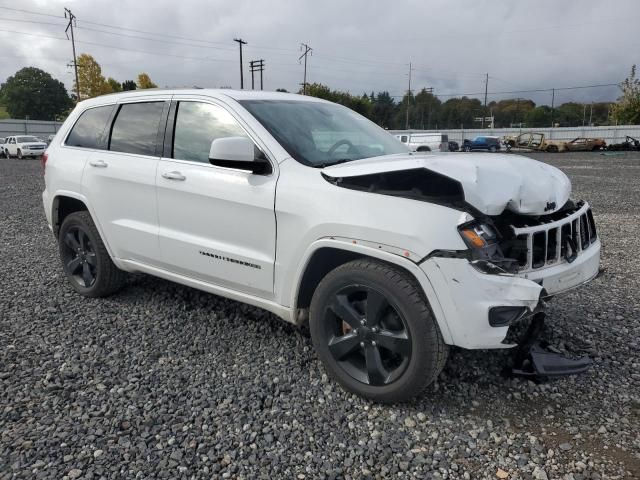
{"x":164,"y":381}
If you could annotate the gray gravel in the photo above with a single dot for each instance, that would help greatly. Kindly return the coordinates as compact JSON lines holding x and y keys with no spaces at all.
{"x":165,"y":381}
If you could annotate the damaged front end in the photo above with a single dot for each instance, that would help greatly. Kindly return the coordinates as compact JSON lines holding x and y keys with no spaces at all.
{"x":526,"y":242}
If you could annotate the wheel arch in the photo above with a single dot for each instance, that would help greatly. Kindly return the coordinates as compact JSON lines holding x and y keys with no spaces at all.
{"x":423,"y":148}
{"x":66,"y":202}
{"x":327,"y":254}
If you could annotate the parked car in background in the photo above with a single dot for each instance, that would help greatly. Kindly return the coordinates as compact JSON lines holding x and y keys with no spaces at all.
{"x":490,"y":144}
{"x":582,"y":144}
{"x":23,"y":146}
{"x":538,"y":141}
{"x":629,"y":143}
{"x":243,"y":194}
{"x":453,"y":146}
{"x":50,"y":138}
{"x":425,"y":142}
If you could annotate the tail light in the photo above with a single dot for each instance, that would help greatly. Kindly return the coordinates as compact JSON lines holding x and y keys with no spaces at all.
{"x":43,"y":161}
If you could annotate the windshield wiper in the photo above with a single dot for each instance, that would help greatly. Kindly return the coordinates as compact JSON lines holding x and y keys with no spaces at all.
{"x":335,"y":162}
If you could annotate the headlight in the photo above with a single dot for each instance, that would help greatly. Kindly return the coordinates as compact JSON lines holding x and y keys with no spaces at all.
{"x":486,"y":254}
{"x":477,"y":235}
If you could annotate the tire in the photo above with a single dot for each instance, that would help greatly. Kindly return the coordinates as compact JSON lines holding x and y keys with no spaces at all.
{"x":493,"y":149}
{"x":467,"y":149}
{"x":552,"y":149}
{"x":19,"y":155}
{"x":79,"y":232}
{"x":351,"y":349}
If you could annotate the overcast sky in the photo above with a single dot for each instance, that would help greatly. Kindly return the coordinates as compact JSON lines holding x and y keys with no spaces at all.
{"x":358,"y":46}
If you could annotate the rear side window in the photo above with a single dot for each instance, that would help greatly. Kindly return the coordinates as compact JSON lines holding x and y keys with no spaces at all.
{"x":135,"y":129}
{"x":88,"y":130}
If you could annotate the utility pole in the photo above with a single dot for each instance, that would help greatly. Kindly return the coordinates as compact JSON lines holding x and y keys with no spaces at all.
{"x":307,"y":50}
{"x":256,"y":66}
{"x":584,"y":113}
{"x":406,"y":126}
{"x":240,"y":43}
{"x":591,"y":114}
{"x":486,"y":88}
{"x":70,"y":25}
{"x":553,"y":102}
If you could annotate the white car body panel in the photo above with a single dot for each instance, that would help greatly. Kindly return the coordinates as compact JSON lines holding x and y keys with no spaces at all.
{"x":277,"y":222}
{"x":435,"y":142}
{"x":491,"y":184}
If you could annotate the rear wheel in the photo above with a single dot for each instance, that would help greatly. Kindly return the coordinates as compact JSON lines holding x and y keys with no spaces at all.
{"x":374,"y":331}
{"x":85,"y":258}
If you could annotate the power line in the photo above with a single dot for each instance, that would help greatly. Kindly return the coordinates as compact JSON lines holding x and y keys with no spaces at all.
{"x":307,"y":51}
{"x":256,"y":66}
{"x":70,"y":25}
{"x":31,"y":12}
{"x":240,"y":43}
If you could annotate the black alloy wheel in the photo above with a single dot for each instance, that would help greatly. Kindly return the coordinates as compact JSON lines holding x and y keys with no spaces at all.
{"x":367,"y":336}
{"x":79,"y":257}
{"x":85,"y":259}
{"x":374,"y":331}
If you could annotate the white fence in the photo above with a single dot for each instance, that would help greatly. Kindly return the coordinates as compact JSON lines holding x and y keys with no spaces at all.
{"x":612,"y":134}
{"x":39,"y":128}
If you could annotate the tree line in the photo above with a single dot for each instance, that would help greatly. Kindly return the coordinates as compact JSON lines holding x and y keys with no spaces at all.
{"x":427,"y":112}
{"x":35,"y":94}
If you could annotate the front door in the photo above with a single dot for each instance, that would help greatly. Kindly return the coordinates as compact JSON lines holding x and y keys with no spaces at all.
{"x":216,"y":224}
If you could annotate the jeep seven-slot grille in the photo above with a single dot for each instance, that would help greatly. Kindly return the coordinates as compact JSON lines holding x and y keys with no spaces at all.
{"x":550,"y":243}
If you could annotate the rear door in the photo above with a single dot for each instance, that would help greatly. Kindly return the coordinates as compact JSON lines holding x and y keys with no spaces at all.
{"x":120,"y":181}
{"x":216,"y":224}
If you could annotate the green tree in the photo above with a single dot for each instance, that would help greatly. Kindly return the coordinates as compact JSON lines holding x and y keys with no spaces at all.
{"x":144,"y":81}
{"x":128,"y":85}
{"x":426,"y":110}
{"x":510,"y":111}
{"x":460,"y":112}
{"x":383,"y":109}
{"x":92,"y":82}
{"x":34,"y":93}
{"x":538,"y":117}
{"x":570,"y":114}
{"x":627,"y":110}
{"x":114,"y":84}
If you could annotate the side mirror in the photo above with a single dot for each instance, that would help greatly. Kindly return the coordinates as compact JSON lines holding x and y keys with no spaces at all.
{"x":239,"y":153}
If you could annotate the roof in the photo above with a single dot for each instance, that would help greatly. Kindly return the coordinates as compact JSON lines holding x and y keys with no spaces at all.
{"x":213,"y":92}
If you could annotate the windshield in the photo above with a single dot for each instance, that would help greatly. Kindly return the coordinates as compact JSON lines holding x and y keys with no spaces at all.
{"x":320,"y":134}
{"x":27,"y":139}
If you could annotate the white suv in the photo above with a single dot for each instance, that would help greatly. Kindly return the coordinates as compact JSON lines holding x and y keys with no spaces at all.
{"x":308,"y":210}
{"x":23,"y":146}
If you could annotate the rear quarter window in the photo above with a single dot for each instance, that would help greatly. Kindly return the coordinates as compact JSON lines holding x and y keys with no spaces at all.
{"x":88,"y":131}
{"x":135,"y":129}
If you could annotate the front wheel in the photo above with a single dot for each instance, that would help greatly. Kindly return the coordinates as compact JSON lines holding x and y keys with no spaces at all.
{"x":85,"y":258}
{"x":374,"y":331}
{"x":493,"y":149}
{"x":20,"y":157}
{"x":467,"y":149}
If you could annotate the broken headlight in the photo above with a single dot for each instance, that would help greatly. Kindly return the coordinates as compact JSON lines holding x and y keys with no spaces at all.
{"x":486,"y":254}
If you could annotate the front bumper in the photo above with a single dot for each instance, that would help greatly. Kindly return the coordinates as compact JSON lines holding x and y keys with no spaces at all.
{"x":466,"y":295}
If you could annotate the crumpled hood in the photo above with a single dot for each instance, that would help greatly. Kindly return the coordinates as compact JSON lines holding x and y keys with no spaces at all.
{"x":491,"y":183}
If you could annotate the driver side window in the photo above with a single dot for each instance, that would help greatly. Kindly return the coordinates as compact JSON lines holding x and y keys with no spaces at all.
{"x":197,"y":125}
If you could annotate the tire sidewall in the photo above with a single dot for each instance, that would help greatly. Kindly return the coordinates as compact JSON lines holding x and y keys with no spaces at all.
{"x":418,"y":322}
{"x":75,"y":220}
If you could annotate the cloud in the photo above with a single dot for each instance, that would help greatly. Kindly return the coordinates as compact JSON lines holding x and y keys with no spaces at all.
{"x":358,"y":46}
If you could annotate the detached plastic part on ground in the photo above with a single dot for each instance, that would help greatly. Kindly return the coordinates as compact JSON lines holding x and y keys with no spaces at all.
{"x":536,"y":358}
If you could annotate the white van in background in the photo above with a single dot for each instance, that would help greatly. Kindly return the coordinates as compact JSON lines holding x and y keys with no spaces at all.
{"x":425,"y":142}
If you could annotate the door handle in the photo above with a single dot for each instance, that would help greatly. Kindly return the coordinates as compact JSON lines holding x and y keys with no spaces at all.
{"x":98,"y":163}
{"x":173,"y":176}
